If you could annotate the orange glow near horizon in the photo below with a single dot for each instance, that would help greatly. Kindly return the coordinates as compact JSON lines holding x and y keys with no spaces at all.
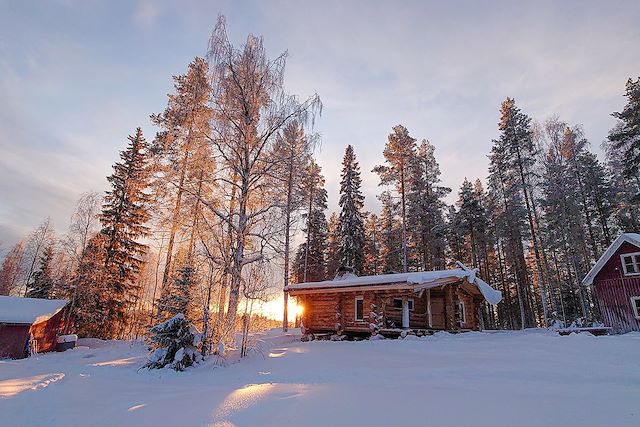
{"x":273,"y":309}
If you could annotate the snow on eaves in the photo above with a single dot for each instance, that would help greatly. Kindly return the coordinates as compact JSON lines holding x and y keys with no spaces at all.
{"x":28,"y":311}
{"x":417,"y":280}
{"x":632,"y":238}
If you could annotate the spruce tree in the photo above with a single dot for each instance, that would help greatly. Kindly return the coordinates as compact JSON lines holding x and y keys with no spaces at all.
{"x":627,"y":136}
{"x":92,"y":294}
{"x":626,"y":207}
{"x":123,"y":218}
{"x":351,"y":219}
{"x":472,"y":221}
{"x":42,"y":284}
{"x":177,"y":298}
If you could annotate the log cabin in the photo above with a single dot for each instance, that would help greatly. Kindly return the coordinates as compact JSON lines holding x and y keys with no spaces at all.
{"x":393,"y":304}
{"x":614,"y":281}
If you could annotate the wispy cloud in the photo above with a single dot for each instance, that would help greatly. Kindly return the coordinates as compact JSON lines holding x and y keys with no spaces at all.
{"x":74,"y":86}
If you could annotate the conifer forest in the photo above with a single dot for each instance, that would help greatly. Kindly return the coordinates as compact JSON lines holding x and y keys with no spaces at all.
{"x":226,"y":203}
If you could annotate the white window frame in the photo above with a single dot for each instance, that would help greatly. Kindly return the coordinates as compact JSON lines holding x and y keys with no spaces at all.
{"x":411,"y":308}
{"x":624,"y":265}
{"x":634,"y":307}
{"x":355,"y":309}
{"x":463,"y":312}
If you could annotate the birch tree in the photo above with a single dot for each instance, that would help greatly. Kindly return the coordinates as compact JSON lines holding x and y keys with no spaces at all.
{"x":250,"y":107}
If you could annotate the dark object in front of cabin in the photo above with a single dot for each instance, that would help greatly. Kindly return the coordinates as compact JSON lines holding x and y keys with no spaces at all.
{"x":393,"y":304}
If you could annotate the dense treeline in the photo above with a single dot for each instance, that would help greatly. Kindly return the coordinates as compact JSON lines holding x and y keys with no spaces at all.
{"x":202,"y":219}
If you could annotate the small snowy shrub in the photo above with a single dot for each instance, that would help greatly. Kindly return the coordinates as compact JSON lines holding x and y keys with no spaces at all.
{"x":175,"y":344}
{"x":586,"y":322}
{"x":554,"y":321}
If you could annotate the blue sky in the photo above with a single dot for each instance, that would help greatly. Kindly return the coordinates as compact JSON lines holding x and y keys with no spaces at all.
{"x":76,"y":77}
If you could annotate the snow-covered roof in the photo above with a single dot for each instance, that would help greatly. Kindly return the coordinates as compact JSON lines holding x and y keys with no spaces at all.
{"x":28,"y":310}
{"x":415,"y":280}
{"x":632,"y":238}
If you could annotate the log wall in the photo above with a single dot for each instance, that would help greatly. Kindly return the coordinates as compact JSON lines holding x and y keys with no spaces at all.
{"x":335,"y":312}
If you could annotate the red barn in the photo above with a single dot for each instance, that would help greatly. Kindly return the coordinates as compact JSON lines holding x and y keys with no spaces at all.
{"x":29,"y":319}
{"x":615,"y":283}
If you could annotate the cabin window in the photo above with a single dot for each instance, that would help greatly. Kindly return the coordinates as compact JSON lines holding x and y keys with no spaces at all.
{"x":397,"y":303}
{"x":359,"y":308}
{"x":635,"y":304}
{"x":631,"y":264}
{"x":461,"y":311}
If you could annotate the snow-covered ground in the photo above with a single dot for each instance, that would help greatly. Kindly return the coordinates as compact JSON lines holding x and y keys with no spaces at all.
{"x":531,"y":378}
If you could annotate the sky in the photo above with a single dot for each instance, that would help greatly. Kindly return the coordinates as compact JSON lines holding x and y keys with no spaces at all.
{"x":77,"y":77}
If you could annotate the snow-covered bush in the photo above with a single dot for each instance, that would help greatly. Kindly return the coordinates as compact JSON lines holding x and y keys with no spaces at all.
{"x":554,"y":321}
{"x":175,"y":343}
{"x":586,"y":322}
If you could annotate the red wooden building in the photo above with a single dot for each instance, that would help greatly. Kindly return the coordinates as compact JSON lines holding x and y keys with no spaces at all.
{"x":26,"y":322}
{"x":390,"y":304}
{"x":615,"y":283}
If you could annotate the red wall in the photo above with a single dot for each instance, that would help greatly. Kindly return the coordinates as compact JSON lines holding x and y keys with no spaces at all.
{"x":14,"y":337}
{"x":12,"y":340}
{"x":613,"y":292}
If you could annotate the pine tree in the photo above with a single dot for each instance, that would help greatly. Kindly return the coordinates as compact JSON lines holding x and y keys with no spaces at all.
{"x":425,"y":210}
{"x":351,"y":220}
{"x":390,"y":237}
{"x":333,"y":256}
{"x":627,"y":135}
{"x":124,"y":214}
{"x":517,"y":138}
{"x":399,"y":152}
{"x":508,"y":215}
{"x":42,"y":283}
{"x":372,"y":246}
{"x":311,"y":258}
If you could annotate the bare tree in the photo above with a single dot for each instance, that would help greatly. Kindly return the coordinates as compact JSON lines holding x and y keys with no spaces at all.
{"x":12,"y":268}
{"x":83,"y":225}
{"x":38,"y":240}
{"x":250,"y":108}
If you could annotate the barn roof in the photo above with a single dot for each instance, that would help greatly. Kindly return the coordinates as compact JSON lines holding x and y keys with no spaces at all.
{"x":632,"y":238}
{"x":415,"y":280}
{"x":28,"y":311}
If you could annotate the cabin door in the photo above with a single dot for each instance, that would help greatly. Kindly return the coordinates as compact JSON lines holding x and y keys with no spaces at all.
{"x":405,"y":313}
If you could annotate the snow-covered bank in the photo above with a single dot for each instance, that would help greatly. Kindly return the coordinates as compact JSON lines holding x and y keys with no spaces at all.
{"x":534,"y":378}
